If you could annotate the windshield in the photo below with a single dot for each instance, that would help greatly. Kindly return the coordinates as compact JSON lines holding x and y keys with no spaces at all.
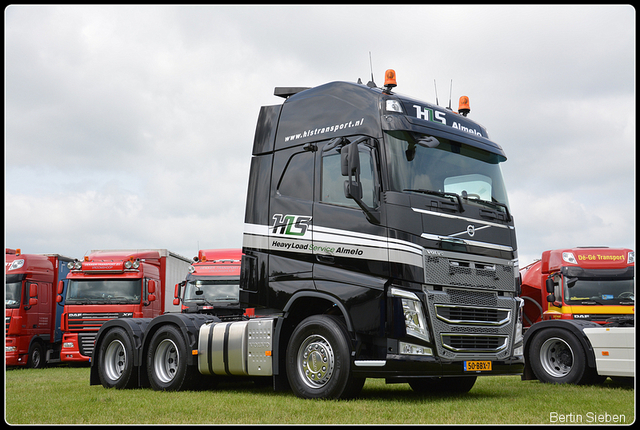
{"x":96,"y":291}
{"x":445,"y":167}
{"x":210,"y":291}
{"x":598,"y":291}
{"x":12,"y":295}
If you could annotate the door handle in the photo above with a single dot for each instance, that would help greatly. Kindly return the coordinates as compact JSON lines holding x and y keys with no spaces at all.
{"x":327,"y":259}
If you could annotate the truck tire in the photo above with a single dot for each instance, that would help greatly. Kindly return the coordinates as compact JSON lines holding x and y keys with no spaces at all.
{"x":557,"y":357}
{"x":114,"y":359}
{"x":167,"y":365}
{"x":36,"y":358}
{"x":319,"y":360}
{"x":449,"y":385}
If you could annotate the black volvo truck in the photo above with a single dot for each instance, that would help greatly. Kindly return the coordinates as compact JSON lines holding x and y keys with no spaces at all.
{"x":378,"y":243}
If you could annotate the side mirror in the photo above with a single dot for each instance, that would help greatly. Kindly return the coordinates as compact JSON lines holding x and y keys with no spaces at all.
{"x":60,"y":287}
{"x":176,"y":301}
{"x":33,"y":295}
{"x":151,"y":286}
{"x":151,"y":298}
{"x":350,"y":166}
{"x":550,"y":285}
{"x":551,"y":298}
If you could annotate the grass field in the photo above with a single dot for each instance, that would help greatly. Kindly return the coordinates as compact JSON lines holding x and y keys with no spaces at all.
{"x":62,"y":395}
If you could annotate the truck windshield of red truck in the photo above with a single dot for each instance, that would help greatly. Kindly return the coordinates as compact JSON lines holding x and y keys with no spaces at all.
{"x":599,"y":291}
{"x":211,"y":291}
{"x":104,"y":291}
{"x":419,"y":163}
{"x":12,"y":295}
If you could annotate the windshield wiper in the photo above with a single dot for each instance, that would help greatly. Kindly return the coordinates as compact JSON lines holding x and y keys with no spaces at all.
{"x":491,"y":204}
{"x":440,"y":194}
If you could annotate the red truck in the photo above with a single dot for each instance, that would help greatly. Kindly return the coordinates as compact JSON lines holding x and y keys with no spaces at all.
{"x":579,"y":315}
{"x":32,"y":335}
{"x":112,"y":284}
{"x":212,"y":284}
{"x":589,"y":284}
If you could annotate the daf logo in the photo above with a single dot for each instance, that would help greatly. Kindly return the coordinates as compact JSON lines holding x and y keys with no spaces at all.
{"x":471,"y":230}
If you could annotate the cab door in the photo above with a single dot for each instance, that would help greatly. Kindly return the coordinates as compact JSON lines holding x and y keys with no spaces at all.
{"x":290,"y":232}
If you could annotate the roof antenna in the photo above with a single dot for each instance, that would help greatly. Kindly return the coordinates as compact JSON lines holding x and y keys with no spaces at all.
{"x":371,"y":84}
{"x":436,"y":88}
{"x":450,"y":87}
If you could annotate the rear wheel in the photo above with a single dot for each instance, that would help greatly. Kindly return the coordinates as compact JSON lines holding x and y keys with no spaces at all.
{"x":115,"y":363}
{"x":319,"y":360}
{"x":557,"y":357}
{"x":167,"y":361}
{"x":36,"y":358}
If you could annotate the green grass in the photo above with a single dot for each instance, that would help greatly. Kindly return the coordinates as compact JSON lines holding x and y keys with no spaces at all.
{"x":62,"y":395}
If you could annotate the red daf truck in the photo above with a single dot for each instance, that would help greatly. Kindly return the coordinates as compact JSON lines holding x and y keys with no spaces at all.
{"x":588,"y":284}
{"x":112,"y":284}
{"x":32,"y":334}
{"x":212,"y":284}
{"x":579,"y":315}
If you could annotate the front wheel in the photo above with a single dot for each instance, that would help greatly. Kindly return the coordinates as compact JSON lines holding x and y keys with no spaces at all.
{"x":557,"y":357}
{"x":319,"y":362}
{"x":167,"y":361}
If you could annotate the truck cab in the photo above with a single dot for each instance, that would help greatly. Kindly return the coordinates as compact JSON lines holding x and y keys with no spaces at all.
{"x":111,"y":284}
{"x":392,"y":215}
{"x":31,"y":313}
{"x":583,"y":283}
{"x":212,"y":284}
{"x":378,"y":243}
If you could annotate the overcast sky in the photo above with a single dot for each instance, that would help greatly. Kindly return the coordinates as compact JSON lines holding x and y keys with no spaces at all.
{"x":132,"y":126}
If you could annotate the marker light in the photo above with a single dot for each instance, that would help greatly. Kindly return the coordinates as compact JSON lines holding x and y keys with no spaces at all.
{"x":463,"y":106}
{"x":569,"y":257}
{"x":74,"y":265}
{"x":16,"y":264}
{"x":393,"y":106}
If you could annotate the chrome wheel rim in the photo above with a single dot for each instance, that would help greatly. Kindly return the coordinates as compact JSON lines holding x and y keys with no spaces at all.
{"x":316,"y":361}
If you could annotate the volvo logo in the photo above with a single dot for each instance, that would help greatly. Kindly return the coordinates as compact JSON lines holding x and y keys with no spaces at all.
{"x":471,"y":230}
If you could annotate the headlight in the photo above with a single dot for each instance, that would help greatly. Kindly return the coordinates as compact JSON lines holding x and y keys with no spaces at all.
{"x":631,"y":258}
{"x":414,"y":320}
{"x":10,"y":349}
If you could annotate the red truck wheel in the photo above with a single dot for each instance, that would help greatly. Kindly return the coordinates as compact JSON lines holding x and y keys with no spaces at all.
{"x":115,"y":365}
{"x":36,"y":358}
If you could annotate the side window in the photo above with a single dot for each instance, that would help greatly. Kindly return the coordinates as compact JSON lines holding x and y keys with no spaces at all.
{"x":332,"y":190}
{"x":297,"y":178}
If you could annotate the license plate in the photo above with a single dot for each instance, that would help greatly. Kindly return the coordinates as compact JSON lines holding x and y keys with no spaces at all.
{"x":477,"y":366}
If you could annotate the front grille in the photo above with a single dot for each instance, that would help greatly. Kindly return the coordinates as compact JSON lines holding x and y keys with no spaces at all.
{"x":86,"y":343}
{"x":455,"y":314}
{"x":87,"y":324}
{"x":443,"y":270}
{"x":468,"y":321}
{"x":474,"y":343}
